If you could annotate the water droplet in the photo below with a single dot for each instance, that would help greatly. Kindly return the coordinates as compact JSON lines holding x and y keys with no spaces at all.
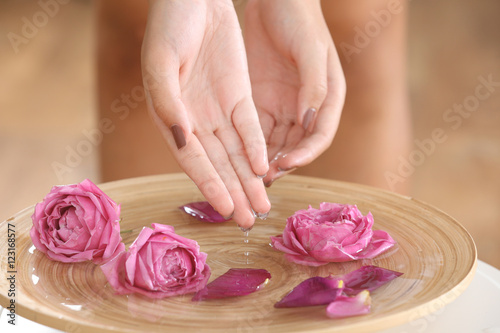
{"x":246,"y":240}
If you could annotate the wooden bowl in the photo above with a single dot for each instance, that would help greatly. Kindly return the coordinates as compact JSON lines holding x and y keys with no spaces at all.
{"x":435,"y":253}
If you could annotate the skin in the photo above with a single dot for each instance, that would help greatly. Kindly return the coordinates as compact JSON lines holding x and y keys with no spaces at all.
{"x":196,"y":77}
{"x":294,"y":66}
{"x":374,"y":128}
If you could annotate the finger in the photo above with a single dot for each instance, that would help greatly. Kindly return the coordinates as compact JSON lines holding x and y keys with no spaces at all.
{"x":313,"y":145}
{"x":267,"y":124}
{"x":195,"y":162}
{"x":278,"y":139}
{"x":247,"y":125}
{"x":243,"y":214}
{"x":163,"y":96}
{"x":170,"y":116}
{"x":252,"y":185}
{"x":312,"y":67}
{"x":294,"y":136}
{"x":275,"y":172}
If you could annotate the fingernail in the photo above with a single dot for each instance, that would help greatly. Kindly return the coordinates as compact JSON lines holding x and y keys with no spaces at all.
{"x":246,"y":229}
{"x":262,"y":177}
{"x":269,"y":183}
{"x":308,"y":118}
{"x":180,"y":139}
{"x":286,"y":169}
{"x":277,"y":156}
{"x":229,"y":217}
{"x":262,"y":216}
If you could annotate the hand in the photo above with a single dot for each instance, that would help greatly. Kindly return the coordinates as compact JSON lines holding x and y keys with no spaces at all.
{"x":199,"y":95}
{"x":297,"y":80}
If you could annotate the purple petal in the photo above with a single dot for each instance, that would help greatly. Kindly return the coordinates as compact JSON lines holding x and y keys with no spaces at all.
{"x":345,"y":306}
{"x":367,"y":278}
{"x":313,"y":291}
{"x":235,"y":282}
{"x":203,"y":211}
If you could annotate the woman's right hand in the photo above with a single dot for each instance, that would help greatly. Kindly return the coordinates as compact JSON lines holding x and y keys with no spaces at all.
{"x":199,"y":95}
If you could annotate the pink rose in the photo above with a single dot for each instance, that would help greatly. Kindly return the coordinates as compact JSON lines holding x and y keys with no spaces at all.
{"x":158,"y":264}
{"x":76,"y":223}
{"x":332,"y":233}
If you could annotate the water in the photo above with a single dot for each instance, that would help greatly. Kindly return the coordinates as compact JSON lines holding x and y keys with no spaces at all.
{"x":246,"y":241}
{"x":246,"y":248}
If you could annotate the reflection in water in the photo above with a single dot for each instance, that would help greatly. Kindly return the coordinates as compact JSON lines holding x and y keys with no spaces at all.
{"x":74,"y":307}
{"x":35,"y":279}
{"x":61,"y":283}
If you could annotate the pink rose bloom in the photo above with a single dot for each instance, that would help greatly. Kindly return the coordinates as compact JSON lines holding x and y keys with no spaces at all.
{"x":158,"y":264}
{"x":332,"y":233}
{"x":77,"y":222}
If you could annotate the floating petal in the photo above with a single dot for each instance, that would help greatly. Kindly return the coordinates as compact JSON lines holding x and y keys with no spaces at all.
{"x":345,"y":306}
{"x":314,"y":291}
{"x":203,"y":211}
{"x":235,"y":282}
{"x":367,"y":278}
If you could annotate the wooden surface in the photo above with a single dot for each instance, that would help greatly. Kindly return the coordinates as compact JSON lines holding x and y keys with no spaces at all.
{"x":435,"y":253}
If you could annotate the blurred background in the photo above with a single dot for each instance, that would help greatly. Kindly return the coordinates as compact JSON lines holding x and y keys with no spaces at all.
{"x":48,"y":107}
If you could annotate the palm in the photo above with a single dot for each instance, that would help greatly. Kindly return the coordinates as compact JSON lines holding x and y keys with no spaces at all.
{"x":197,"y":57}
{"x":275,"y":85}
{"x":296,"y":78}
{"x":212,"y":77}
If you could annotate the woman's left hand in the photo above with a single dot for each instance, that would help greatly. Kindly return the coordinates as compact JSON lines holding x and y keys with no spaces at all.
{"x":297,"y":80}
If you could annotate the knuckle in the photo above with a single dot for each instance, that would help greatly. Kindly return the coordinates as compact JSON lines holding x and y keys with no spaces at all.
{"x":319,"y":91}
{"x":191,"y":157}
{"x":209,"y":186}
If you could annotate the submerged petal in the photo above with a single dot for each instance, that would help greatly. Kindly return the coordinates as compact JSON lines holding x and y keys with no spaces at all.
{"x":345,"y":306}
{"x":235,"y":282}
{"x":203,"y":211}
{"x":304,"y":260}
{"x":367,"y":278}
{"x":313,"y":291}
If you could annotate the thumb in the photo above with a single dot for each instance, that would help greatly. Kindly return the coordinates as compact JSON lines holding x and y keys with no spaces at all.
{"x":312,"y":66}
{"x":165,"y":106}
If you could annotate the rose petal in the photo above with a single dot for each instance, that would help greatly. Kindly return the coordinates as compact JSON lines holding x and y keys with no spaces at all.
{"x":114,"y":270}
{"x":313,"y":291}
{"x":367,"y":278}
{"x":332,"y":233}
{"x":381,"y":241}
{"x":77,"y":222}
{"x":345,"y":306}
{"x":235,"y":282}
{"x":203,"y":211}
{"x":159,"y":264}
{"x":278,"y":243}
